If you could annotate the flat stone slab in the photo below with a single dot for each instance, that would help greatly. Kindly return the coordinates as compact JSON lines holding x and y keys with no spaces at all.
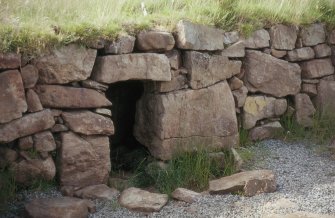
{"x":55,"y":96}
{"x":12,"y":98}
{"x":10,"y":60}
{"x":67,"y":64}
{"x":59,"y":208}
{"x":146,"y":66}
{"x":100,"y":191}
{"x":317,"y":68}
{"x":185,"y":195}
{"x":154,"y":41}
{"x":27,"y":125}
{"x":143,"y":201}
{"x":88,"y":123}
{"x":250,"y":182}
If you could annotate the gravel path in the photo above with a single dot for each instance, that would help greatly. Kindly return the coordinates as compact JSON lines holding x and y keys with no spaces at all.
{"x":305,"y":182}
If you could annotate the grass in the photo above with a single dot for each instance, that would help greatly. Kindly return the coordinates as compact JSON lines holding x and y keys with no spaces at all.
{"x":191,"y":170}
{"x":31,"y":26}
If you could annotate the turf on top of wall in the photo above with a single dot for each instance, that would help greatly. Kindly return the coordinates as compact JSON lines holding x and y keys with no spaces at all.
{"x":33,"y":25}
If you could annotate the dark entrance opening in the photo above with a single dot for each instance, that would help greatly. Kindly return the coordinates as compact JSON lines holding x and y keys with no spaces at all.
{"x":126,"y":151}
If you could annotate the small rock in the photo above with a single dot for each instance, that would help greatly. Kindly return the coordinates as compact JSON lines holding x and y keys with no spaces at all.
{"x":236,"y":50}
{"x":123,"y":45}
{"x":313,"y":34}
{"x":101,"y":191}
{"x":278,"y":53}
{"x":33,"y":101}
{"x":174,"y":58}
{"x":26,"y":143}
{"x":283,"y":37}
{"x":322,"y":51}
{"x":143,"y":201}
{"x":259,"y":39}
{"x":186,"y":195}
{"x":309,"y":89}
{"x":29,"y":75}
{"x":94,"y":85}
{"x":230,"y":37}
{"x":154,"y":41}
{"x":44,"y":141}
{"x":301,"y":54}
{"x":250,"y":182}
{"x":266,"y":131}
{"x":10,"y":61}
{"x":59,"y":208}
{"x":235,"y":83}
{"x":178,"y":81}
{"x":240,"y":96}
{"x":103,"y":111}
{"x":304,"y":110}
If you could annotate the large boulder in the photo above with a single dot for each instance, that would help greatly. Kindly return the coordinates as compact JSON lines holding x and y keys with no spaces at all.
{"x":26,"y":171}
{"x":258,"y":39}
{"x":66,"y":64}
{"x":317,"y":68}
{"x":27,"y":125}
{"x":249,"y":182}
{"x":176,"y":121}
{"x":58,"y":208}
{"x":313,"y":34}
{"x":304,"y":110}
{"x":10,"y":60}
{"x":55,"y":96}
{"x":88,"y":123}
{"x":12,"y":98}
{"x":198,"y":37}
{"x":260,"y":107}
{"x":83,"y":161}
{"x":115,"y":68}
{"x":269,"y":75}
{"x":283,"y":37}
{"x":143,"y":201}
{"x":326,"y":92}
{"x":154,"y":41}
{"x":205,"y":70}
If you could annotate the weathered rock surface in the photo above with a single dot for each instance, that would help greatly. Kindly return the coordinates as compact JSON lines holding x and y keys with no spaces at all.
{"x":326,"y":91}
{"x":266,"y":131}
{"x":29,"y":75}
{"x":205,"y":70}
{"x":94,"y":85}
{"x":304,"y":110}
{"x":84,"y":161}
{"x":235,"y":83}
{"x":178,"y":81}
{"x":44,"y":141}
{"x":309,"y":89}
{"x":27,"y":170}
{"x":174,"y":57}
{"x":103,"y":111}
{"x":59,"y":128}
{"x":283,"y":37}
{"x":55,"y":96}
{"x":166,"y":123}
{"x":236,"y":50}
{"x":123,"y":45}
{"x":270,"y":75}
{"x":198,"y":37}
{"x":27,"y":125}
{"x":88,"y":123}
{"x":240,"y":96}
{"x":231,"y":37}
{"x":143,"y":201}
{"x":64,"y":207}
{"x":12,"y":98}
{"x":250,"y":182}
{"x":322,"y":51}
{"x":185,"y":195}
{"x":100,"y":191}
{"x":7,"y":157}
{"x":313,"y":34}
{"x":10,"y":61}
{"x":67,"y":64}
{"x":114,"y":68}
{"x":278,"y":53}
{"x":259,"y":39}
{"x":33,"y":101}
{"x":26,"y":143}
{"x":316,"y":68}
{"x":260,"y":107}
{"x":301,"y":54}
{"x":154,"y":41}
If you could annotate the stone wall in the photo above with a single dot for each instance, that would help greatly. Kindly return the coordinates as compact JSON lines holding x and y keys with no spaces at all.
{"x":200,"y":85}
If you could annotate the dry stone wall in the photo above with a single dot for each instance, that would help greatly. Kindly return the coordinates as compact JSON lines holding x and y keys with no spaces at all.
{"x":201,"y":85}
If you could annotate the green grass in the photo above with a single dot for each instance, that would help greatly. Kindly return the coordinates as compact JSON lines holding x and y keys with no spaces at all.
{"x":31,"y":26}
{"x":8,"y":187}
{"x":191,"y":170}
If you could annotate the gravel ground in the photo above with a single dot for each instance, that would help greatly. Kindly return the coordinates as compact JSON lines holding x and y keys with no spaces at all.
{"x":305,"y":182}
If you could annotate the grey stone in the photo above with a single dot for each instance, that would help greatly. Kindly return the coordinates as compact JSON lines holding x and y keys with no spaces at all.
{"x":33,"y":101}
{"x":240,"y":96}
{"x":10,"y":60}
{"x":178,"y":81}
{"x":123,"y":45}
{"x":174,"y":58}
{"x":59,"y":128}
{"x":205,"y":70}
{"x":326,"y":91}
{"x":185,"y":195}
{"x":283,"y":37}
{"x":230,"y":37}
{"x":278,"y":53}
{"x":94,"y":85}
{"x":258,"y":39}
{"x":270,"y":75}
{"x":322,"y":50}
{"x":44,"y":141}
{"x":313,"y":34}
{"x":316,"y":68}
{"x":235,"y":83}
{"x":331,"y":37}
{"x":301,"y":54}
{"x":154,"y":41}
{"x":26,"y":143}
{"x":100,"y":191}
{"x":304,"y":110}
{"x":115,"y":68}
{"x":309,"y":89}
{"x":67,"y":64}
{"x":236,"y":50}
{"x":198,"y":37}
{"x":266,"y":131}
{"x":29,"y":75}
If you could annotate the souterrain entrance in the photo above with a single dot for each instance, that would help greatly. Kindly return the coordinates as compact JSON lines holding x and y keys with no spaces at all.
{"x":126,"y":151}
